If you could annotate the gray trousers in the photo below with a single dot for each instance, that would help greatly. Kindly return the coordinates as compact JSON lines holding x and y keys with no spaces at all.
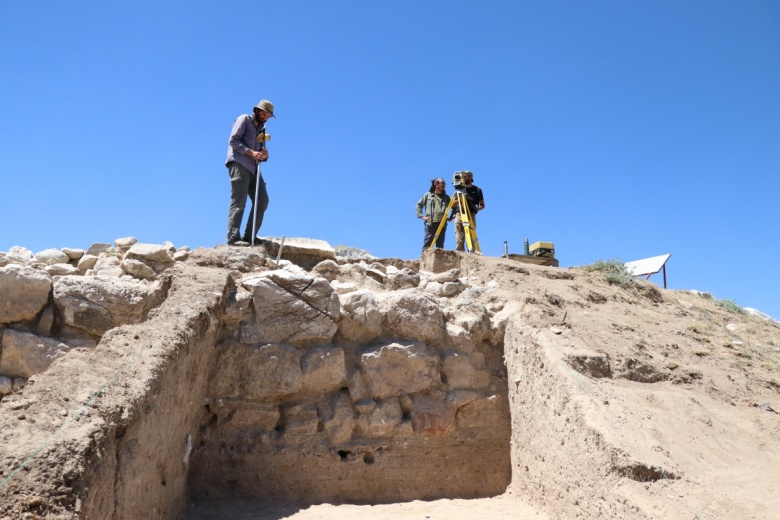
{"x":242,"y":185}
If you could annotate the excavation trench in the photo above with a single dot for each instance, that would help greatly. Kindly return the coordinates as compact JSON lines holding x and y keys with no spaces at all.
{"x":196,"y":404}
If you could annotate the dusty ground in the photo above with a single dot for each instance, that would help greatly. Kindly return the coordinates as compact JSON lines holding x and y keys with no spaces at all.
{"x":497,"y":508}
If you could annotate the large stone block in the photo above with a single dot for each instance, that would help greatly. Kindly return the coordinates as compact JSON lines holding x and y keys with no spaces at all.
{"x":323,"y":369}
{"x":460,"y":372}
{"x":393,"y":369}
{"x":24,"y":290}
{"x":412,"y":315}
{"x":97,"y":304}
{"x":24,"y":355}
{"x":430,"y":416}
{"x":290,"y":308}
{"x":361,"y":321}
{"x":382,"y":420}
{"x":337,"y":418}
{"x":256,"y":372}
{"x":157,"y":257}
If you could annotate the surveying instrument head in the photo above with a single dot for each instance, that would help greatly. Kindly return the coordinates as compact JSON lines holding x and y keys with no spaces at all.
{"x":457,"y":179}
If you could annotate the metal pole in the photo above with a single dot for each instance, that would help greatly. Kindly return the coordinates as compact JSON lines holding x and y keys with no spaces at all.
{"x":261,"y":138}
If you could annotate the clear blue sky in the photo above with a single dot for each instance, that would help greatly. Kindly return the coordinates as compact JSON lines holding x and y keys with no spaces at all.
{"x":615,"y":129}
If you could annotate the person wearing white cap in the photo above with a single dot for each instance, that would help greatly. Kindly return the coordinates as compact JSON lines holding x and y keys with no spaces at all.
{"x":246,"y":149}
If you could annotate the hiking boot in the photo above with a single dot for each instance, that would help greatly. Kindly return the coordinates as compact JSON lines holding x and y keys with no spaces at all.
{"x":239,"y":243}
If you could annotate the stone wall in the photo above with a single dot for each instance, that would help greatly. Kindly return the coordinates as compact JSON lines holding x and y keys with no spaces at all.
{"x":229,"y":373}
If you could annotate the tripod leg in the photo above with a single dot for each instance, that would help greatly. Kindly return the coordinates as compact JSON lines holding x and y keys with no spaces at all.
{"x":441,"y":224}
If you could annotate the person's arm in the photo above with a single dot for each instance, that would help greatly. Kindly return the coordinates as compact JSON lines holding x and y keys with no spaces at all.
{"x":420,"y":206}
{"x":238,"y":146}
{"x":239,"y":128}
{"x":481,"y":202}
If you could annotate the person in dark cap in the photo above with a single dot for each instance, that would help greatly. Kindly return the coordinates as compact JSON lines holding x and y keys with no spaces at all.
{"x":475,"y":201}
{"x":431,"y":208}
{"x":246,"y":149}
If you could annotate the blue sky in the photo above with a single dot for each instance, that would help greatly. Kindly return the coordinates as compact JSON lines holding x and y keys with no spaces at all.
{"x":615,"y":129}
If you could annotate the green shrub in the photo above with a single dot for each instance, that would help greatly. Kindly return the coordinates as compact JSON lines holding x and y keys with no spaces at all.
{"x":730,"y":306}
{"x":614,"y":270}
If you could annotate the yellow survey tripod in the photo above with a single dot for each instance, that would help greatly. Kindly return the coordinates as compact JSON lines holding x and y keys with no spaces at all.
{"x":459,"y":203}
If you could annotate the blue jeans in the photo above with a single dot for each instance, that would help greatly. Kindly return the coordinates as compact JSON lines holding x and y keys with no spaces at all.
{"x":243,"y":185}
{"x":430,"y":230}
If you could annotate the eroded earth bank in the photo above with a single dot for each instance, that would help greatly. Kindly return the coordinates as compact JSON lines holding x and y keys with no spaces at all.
{"x":155,"y":383}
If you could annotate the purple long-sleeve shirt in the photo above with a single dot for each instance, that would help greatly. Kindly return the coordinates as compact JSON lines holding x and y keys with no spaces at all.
{"x":243,"y":137}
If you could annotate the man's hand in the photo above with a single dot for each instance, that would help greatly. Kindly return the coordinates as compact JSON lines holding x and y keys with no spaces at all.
{"x":262,"y":155}
{"x":426,"y":218}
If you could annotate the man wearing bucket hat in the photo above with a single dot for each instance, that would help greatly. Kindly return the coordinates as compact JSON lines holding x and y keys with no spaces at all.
{"x":246,"y":149}
{"x":431,"y":208}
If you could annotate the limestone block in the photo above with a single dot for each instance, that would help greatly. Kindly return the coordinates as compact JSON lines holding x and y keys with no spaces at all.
{"x":305,"y":252}
{"x":378,"y":266}
{"x":450,"y":275}
{"x":20,"y":255}
{"x":24,"y":292}
{"x":51,"y":256}
{"x":439,"y":260}
{"x":473,"y":317}
{"x":158,"y":257}
{"x":412,"y":315}
{"x":108,"y":266}
{"x":138,"y":269}
{"x":376,"y":275}
{"x":357,"y":273}
{"x":460,"y":373}
{"x":73,"y":253}
{"x":402,"y":279}
{"x":360,"y":318}
{"x":125,"y":243}
{"x":181,"y":255}
{"x":327,"y":269}
{"x":97,"y":248}
{"x":60,"y":269}
{"x":392,"y":369}
{"x":323,"y":369}
{"x":342,"y":287}
{"x":358,"y":390}
{"x":87,"y":262}
{"x":382,"y":420}
{"x":25,"y":354}
{"x":459,"y":339}
{"x":96,"y":305}
{"x":256,"y":372}
{"x":300,"y":419}
{"x":337,"y":418}
{"x":450,"y":289}
{"x":291,"y":308}
{"x":431,"y":416}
